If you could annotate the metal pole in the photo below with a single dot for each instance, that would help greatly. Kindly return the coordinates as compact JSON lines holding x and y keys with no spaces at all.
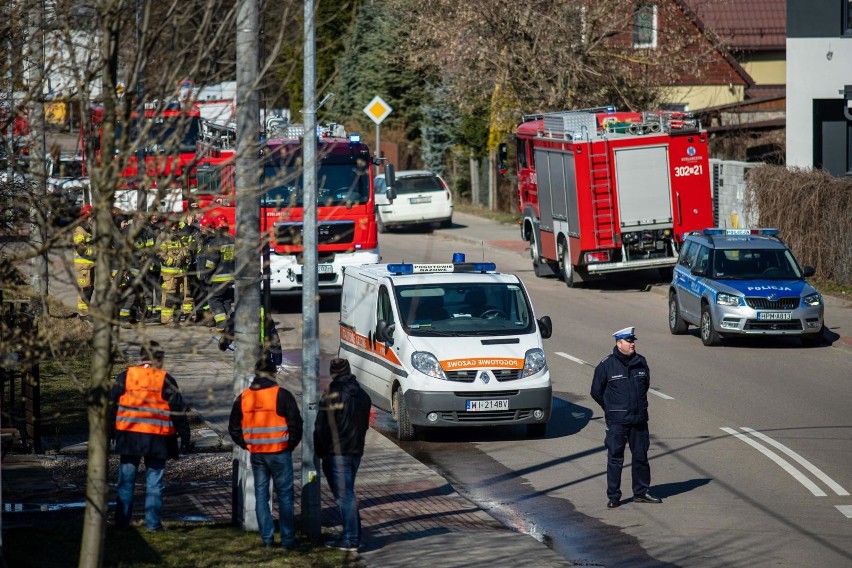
{"x":38,"y":265}
{"x":310,"y":334}
{"x":378,"y":147}
{"x":247,"y":283}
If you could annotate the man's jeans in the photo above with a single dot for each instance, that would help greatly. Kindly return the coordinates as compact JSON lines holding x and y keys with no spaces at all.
{"x":278,"y":468}
{"x":340,"y":471}
{"x":129,"y":466}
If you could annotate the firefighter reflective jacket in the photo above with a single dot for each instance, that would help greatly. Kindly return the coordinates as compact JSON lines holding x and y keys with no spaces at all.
{"x":142,"y":408}
{"x":84,"y":253}
{"x":264,"y":430}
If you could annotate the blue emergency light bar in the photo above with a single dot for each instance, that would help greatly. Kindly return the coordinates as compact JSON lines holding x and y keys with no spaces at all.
{"x":716,"y":231}
{"x":458,"y":265}
{"x":354,"y":138}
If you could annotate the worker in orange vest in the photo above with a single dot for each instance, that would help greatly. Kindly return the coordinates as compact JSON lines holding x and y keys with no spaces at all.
{"x":266,"y":421}
{"x":147,"y":415}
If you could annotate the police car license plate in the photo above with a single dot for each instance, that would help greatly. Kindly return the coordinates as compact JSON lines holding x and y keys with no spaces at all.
{"x":416,"y":200}
{"x":485,"y":405}
{"x":773,"y":315}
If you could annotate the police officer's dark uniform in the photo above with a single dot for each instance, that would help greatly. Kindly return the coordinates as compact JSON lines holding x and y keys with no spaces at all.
{"x":620,"y":387}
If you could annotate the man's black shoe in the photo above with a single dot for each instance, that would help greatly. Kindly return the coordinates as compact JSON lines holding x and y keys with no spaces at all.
{"x":613,"y":503}
{"x":646,"y":498}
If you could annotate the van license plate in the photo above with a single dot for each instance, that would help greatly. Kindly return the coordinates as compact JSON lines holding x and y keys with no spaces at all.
{"x":325,"y":268}
{"x":485,"y":405}
{"x":773,"y":315}
{"x":416,"y":200}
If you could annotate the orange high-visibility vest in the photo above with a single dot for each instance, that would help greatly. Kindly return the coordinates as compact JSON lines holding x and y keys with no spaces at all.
{"x":264,"y":431}
{"x":142,"y":407}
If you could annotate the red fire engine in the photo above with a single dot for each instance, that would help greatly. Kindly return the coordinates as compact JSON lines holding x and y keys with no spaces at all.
{"x":345,"y":203}
{"x":602,"y":191}
{"x":171,"y":132}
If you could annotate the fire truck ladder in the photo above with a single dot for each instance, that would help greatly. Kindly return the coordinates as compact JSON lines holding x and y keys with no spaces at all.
{"x":600,"y":179}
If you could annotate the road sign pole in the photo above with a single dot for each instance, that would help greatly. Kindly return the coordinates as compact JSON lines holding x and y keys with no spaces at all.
{"x":378,"y":144}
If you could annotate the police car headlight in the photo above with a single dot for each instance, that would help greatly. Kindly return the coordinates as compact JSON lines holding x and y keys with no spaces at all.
{"x":427,"y":364}
{"x":812,"y":299}
{"x":534,"y":362}
{"x":727,"y":299}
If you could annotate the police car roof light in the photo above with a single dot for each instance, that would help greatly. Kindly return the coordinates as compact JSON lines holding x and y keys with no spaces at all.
{"x":406,"y":268}
{"x":484,"y":267}
{"x":458,"y":257}
{"x":716,"y":231}
{"x":354,"y":138}
{"x":401,"y":268}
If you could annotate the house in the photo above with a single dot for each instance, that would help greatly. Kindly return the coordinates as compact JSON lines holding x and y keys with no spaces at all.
{"x":819,"y":85}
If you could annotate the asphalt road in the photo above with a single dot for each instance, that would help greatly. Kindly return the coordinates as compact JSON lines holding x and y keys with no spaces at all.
{"x":750,"y":442}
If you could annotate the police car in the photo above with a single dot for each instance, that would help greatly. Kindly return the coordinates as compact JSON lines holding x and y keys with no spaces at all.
{"x":742,"y":282}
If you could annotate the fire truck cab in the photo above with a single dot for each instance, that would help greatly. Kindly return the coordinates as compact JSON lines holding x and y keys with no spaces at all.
{"x":602,"y":191}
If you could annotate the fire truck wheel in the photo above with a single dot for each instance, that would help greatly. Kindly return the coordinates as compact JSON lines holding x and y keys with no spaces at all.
{"x":676,"y":324}
{"x":566,"y":269}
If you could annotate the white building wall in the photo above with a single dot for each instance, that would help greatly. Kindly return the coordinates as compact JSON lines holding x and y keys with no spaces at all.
{"x":812,"y":74}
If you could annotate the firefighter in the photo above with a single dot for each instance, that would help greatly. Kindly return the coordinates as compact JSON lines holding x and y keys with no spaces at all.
{"x":174,"y":260}
{"x":150,"y":267}
{"x":190,"y":235}
{"x":132,"y":299}
{"x":84,"y":261}
{"x":201,"y":309}
{"x":220,"y":264}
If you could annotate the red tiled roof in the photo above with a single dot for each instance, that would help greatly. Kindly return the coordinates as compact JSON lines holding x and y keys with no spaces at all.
{"x":744,"y":24}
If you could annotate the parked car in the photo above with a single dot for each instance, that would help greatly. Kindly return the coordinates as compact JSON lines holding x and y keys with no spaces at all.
{"x":66,"y":186}
{"x":422,"y":198}
{"x":742,"y":282}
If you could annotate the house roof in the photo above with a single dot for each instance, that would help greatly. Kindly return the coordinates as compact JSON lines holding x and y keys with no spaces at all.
{"x":744,"y":24}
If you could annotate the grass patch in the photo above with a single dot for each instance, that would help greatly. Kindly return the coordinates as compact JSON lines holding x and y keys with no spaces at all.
{"x":832,"y":288}
{"x":200,"y":545}
{"x":501,"y":216}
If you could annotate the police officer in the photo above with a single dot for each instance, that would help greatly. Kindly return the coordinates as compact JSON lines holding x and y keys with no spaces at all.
{"x":620,"y":387}
{"x":84,"y":261}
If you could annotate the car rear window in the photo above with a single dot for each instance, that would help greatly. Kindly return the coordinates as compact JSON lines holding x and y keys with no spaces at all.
{"x":417,"y":184}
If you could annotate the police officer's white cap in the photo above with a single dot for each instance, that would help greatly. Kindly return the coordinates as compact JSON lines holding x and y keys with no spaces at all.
{"x":626,"y":333}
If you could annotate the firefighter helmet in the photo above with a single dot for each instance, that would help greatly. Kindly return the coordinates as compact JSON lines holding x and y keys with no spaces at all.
{"x":221,"y":221}
{"x":85,"y":211}
{"x":205,"y":221}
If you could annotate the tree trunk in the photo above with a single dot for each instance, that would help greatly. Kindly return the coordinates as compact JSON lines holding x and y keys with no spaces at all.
{"x":474,"y":181}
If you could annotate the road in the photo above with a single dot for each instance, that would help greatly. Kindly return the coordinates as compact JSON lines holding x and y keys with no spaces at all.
{"x":750,"y":443}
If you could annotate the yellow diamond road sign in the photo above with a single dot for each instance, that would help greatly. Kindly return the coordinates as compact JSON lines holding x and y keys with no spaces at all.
{"x":378,"y":109}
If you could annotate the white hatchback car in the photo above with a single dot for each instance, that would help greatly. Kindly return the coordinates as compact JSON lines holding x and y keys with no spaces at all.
{"x":422,"y":198}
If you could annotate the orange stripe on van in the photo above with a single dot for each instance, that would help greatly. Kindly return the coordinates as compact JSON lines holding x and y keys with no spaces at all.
{"x":360,"y":341}
{"x":482,"y":363}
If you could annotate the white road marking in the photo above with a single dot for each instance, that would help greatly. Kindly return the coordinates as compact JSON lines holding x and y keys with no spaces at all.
{"x":785,"y":465}
{"x":570,"y":358}
{"x":581,"y":362}
{"x":833,"y":485}
{"x":660,"y":394}
{"x":846,"y":510}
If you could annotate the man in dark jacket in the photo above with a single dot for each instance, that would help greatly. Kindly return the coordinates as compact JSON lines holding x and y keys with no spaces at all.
{"x":620,"y":387}
{"x":266,"y":421}
{"x":147,"y":414}
{"x":339,"y":433}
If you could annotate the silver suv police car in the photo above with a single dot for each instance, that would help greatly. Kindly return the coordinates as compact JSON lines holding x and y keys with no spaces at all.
{"x":742,"y":282}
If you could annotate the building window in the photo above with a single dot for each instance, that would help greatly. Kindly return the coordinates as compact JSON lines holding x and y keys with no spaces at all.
{"x":645,"y":25}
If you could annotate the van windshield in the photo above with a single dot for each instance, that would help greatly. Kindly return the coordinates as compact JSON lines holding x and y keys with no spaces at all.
{"x":464,"y":309}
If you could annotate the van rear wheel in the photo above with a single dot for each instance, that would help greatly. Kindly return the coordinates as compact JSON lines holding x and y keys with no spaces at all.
{"x":405,"y":430}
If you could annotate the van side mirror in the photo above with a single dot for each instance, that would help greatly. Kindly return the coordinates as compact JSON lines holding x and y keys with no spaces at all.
{"x":808,"y":271}
{"x":502,"y":158}
{"x":384,"y":331}
{"x":390,"y":182}
{"x":545,"y":327}
{"x":698,"y":270}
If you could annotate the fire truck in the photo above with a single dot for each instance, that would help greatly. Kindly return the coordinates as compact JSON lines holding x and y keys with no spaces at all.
{"x":171,"y":131}
{"x":345,"y":201}
{"x":602,"y":191}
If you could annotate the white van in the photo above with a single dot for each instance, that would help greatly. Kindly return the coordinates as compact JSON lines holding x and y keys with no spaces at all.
{"x":443,"y":345}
